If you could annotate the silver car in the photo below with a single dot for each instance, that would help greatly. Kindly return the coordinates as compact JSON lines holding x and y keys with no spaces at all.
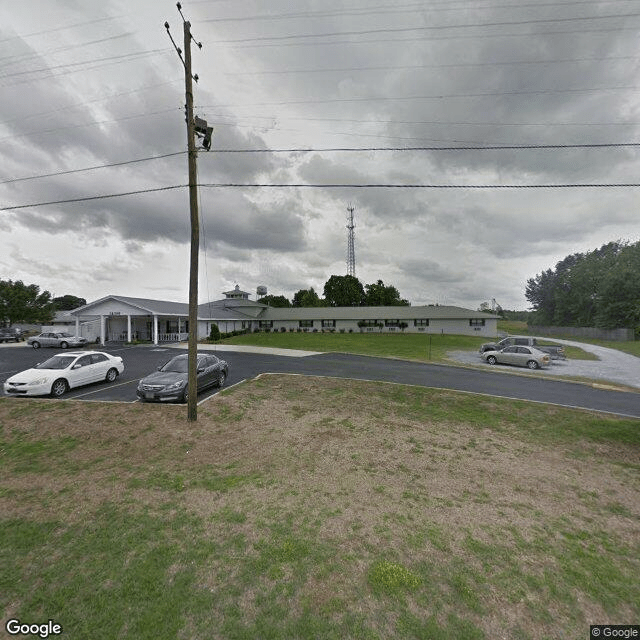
{"x":519,"y":356}
{"x":61,"y":340}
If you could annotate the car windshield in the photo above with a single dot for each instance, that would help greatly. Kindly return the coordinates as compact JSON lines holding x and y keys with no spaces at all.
{"x":178,"y":364}
{"x":56,"y":362}
{"x":65,"y":335}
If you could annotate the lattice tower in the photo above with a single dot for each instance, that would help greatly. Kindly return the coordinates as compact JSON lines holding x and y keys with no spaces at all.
{"x":351,"y":249}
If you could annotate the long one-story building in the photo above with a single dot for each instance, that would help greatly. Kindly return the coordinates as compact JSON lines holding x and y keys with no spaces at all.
{"x":121,"y":318}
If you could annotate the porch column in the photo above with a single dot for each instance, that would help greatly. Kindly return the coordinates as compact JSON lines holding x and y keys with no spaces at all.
{"x":128,"y":327}
{"x":155,"y":329}
{"x":103,"y":328}
{"x":77,"y":325}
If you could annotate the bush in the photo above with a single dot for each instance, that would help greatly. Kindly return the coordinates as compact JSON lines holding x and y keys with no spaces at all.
{"x":283,"y":329}
{"x":215,"y":333}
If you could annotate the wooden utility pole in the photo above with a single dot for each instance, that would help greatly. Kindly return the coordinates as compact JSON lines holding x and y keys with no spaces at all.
{"x":192,"y":383}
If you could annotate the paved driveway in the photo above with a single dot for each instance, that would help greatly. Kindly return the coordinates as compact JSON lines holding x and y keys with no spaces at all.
{"x":139,"y":361}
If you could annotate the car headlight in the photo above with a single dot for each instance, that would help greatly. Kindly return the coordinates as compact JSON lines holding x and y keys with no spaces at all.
{"x":39,"y":381}
{"x":175,"y":385}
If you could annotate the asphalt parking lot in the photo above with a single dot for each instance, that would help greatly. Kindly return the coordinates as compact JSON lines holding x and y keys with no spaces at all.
{"x":139,"y":361}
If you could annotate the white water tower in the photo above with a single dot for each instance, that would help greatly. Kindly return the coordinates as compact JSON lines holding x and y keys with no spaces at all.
{"x":261,"y":292}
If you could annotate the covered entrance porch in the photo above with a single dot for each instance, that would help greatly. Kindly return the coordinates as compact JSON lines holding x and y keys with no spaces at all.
{"x":136,"y":319}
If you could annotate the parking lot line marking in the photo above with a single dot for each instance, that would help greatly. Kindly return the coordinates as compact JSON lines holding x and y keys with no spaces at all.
{"x":111,"y":386}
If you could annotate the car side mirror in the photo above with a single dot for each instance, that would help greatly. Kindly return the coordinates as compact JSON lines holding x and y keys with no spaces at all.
{"x":76,"y":366}
{"x":200,"y":370}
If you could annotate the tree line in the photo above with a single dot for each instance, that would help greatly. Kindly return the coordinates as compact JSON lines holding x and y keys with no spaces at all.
{"x":25,"y":303}
{"x":599,"y":288}
{"x":342,"y":291}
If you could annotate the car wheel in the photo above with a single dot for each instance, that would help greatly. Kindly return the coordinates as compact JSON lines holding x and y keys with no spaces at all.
{"x":491,"y":360}
{"x":532,"y":364}
{"x":59,"y":388}
{"x":222,"y":378}
{"x":112,"y":374}
{"x":35,"y":345}
{"x":64,"y":345}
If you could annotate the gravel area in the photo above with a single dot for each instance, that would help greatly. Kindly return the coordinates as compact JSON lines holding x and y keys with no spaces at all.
{"x":612,"y":365}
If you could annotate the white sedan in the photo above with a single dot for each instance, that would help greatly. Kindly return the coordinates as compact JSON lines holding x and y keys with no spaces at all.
{"x":62,"y":372}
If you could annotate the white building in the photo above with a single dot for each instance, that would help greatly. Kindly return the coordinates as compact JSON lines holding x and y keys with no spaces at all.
{"x":126,"y":319}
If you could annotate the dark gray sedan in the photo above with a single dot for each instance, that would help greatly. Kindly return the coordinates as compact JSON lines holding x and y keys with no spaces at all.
{"x":169,"y":382}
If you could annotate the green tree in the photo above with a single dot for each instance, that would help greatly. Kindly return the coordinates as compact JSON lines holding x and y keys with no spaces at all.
{"x":24,"y":303}
{"x":307,"y":298}
{"x":619,"y":292}
{"x":594,"y":288}
{"x":380,"y":295}
{"x":343,"y":291}
{"x":68,"y":302}
{"x":275,"y":301}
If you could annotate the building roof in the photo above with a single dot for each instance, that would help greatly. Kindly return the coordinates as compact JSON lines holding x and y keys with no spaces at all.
{"x":243,"y":309}
{"x":372,"y":313}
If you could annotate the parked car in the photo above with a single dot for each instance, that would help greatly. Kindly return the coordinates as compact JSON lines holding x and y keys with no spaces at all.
{"x":65,"y":371}
{"x":11,"y":335}
{"x":169,"y":382}
{"x":555,"y":351}
{"x":61,"y":340}
{"x":520,"y":356}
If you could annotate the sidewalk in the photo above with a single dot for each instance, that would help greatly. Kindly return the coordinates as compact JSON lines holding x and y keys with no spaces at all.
{"x":292,"y":353}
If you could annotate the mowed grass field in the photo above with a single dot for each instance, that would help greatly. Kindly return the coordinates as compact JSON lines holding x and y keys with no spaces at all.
{"x":300,"y":507}
{"x":407,"y":346}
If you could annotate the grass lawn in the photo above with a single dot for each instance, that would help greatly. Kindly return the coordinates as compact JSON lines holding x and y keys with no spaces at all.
{"x":299,"y":507}
{"x":407,"y":346}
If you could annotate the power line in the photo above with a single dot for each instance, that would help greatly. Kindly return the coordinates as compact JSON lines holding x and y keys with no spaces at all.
{"x":486,"y":94}
{"x":87,"y":124}
{"x":77,"y":105}
{"x":447,"y":38}
{"x":111,"y":59}
{"x":98,"y":166}
{"x":88,"y":198}
{"x":417,"y":186}
{"x":504,"y":23}
{"x":503,"y":147}
{"x":71,"y":26}
{"x":339,"y":149}
{"x":453,"y":65}
{"x":308,"y":185}
{"x":397,"y":9}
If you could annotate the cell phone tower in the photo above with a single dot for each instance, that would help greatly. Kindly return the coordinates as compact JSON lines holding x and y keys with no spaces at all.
{"x":351,"y":248}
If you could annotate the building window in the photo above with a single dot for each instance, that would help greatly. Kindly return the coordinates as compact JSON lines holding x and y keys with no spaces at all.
{"x":305,"y":324}
{"x":391,"y":323}
{"x":368,"y":323}
{"x":476,"y":322}
{"x":172,"y":326}
{"x":265,"y":324}
{"x":328,"y":324}
{"x":421,"y":322}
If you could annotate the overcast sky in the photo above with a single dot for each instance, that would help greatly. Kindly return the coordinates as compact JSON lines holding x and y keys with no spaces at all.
{"x":292,"y":84}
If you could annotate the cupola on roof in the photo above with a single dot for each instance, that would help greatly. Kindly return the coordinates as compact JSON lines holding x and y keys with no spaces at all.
{"x":237,"y":294}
